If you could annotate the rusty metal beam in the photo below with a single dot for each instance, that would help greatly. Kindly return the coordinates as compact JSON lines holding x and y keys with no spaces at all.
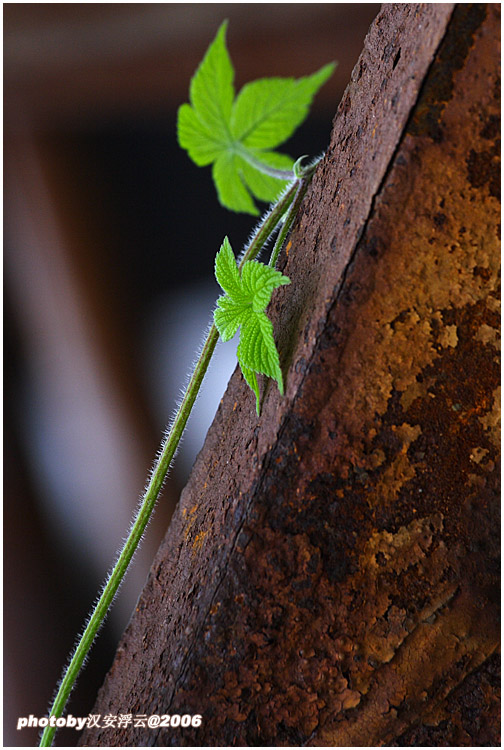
{"x":330,"y":576}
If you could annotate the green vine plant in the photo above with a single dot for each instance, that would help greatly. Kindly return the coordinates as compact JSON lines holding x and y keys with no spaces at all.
{"x":238,"y":135}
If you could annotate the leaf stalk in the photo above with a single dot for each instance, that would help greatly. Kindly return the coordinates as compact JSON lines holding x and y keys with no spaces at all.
{"x":279,"y":174}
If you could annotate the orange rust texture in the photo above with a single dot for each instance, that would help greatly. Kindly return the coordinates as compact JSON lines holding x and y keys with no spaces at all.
{"x":371,"y":572}
{"x":359,"y":603}
{"x":408,"y":423}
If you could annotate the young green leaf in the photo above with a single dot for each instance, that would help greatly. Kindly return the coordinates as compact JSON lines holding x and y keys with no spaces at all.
{"x":226,"y":270}
{"x":268,"y":111}
{"x":243,"y":305}
{"x":237,"y":135}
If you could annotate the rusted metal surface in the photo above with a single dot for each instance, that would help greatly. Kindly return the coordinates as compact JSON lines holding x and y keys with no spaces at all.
{"x":331,"y":574}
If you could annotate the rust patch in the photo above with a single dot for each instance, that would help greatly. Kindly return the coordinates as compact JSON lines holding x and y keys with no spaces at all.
{"x":452,"y":57}
{"x":198,"y":540}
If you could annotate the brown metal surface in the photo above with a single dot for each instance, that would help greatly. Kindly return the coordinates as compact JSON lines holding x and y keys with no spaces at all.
{"x":331,"y":574}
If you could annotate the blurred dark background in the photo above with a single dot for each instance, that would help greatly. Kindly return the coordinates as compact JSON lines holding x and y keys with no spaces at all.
{"x":109,"y":238}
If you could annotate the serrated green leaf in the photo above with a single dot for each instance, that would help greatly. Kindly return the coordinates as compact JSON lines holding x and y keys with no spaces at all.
{"x":237,"y":135}
{"x":228,"y":317}
{"x":231,"y":189}
{"x":200,"y":143}
{"x":226,"y":270}
{"x":236,"y":180}
{"x":211,"y":91}
{"x":247,"y":295}
{"x":259,"y":281}
{"x":257,"y":349}
{"x":266,"y":112}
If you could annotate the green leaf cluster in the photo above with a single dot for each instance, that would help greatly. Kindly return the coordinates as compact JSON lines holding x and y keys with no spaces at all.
{"x":238,"y":135}
{"x":247,"y":294}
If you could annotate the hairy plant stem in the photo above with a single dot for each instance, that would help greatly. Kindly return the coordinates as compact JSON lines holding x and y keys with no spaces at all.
{"x":302,"y":186}
{"x":304,"y":175}
{"x":158,"y":475}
